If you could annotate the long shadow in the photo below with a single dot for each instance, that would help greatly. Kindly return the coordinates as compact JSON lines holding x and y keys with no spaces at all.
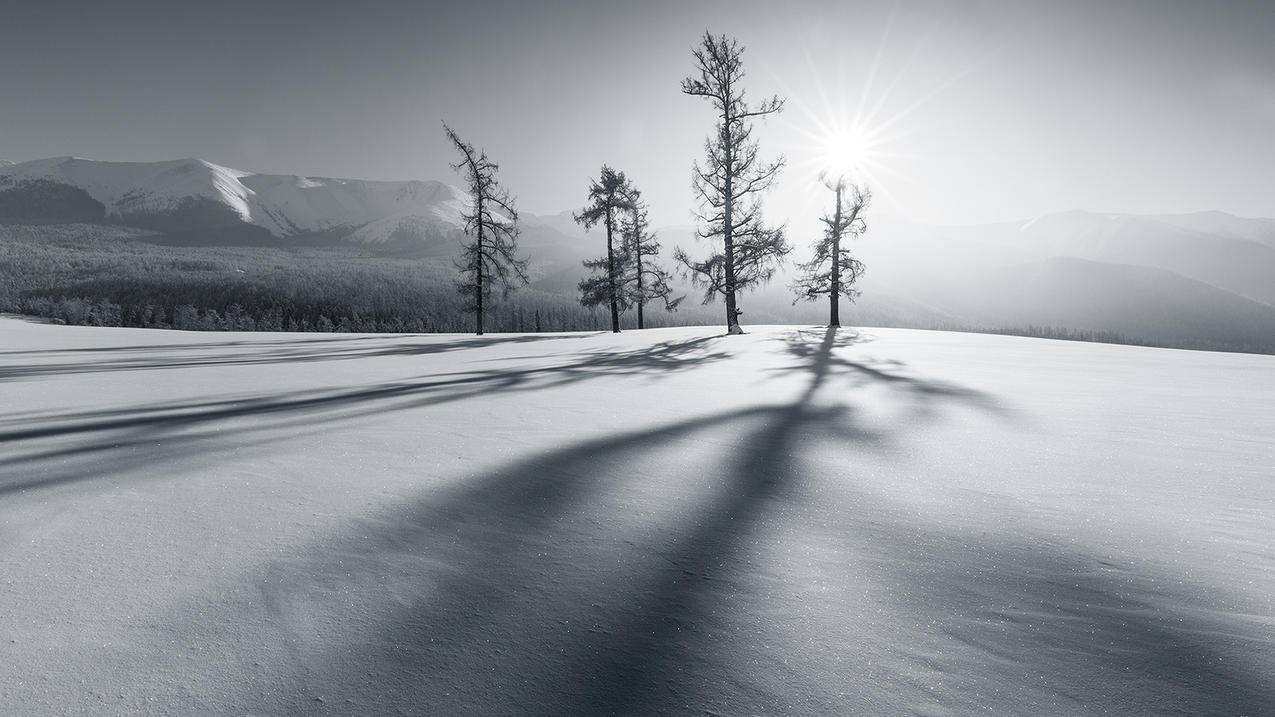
{"x":653,"y":646}
{"x":259,"y":353}
{"x":510,"y":596}
{"x":513,"y":514}
{"x":91,"y":434}
{"x":854,"y":372}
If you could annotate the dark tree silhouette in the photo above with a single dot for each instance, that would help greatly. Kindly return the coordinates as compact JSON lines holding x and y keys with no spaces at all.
{"x":645,"y":281}
{"x":609,"y":195}
{"x":491,"y":257}
{"x":731,"y":182}
{"x":831,"y":271}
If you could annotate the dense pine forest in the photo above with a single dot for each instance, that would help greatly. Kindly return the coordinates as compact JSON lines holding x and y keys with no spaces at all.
{"x":107,"y":276}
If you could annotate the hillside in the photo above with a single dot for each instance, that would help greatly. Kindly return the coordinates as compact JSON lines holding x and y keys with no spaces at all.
{"x":1227,"y":252}
{"x":880,"y":522}
{"x":1153,"y":304}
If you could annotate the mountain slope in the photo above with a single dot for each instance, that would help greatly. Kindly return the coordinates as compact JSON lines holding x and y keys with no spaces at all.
{"x":1216,"y":253}
{"x":1143,"y":302}
{"x":1223,"y":224}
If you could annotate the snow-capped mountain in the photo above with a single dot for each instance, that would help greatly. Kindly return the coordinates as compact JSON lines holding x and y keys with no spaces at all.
{"x":195,"y":197}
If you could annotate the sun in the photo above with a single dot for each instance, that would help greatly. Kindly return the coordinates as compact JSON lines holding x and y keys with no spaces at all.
{"x":868,"y":140}
{"x":845,"y":152}
{"x":833,"y":146}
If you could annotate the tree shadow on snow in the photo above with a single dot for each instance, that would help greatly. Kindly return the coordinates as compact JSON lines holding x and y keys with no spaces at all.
{"x":109,"y":359}
{"x":111,"y":441}
{"x":536,"y":588}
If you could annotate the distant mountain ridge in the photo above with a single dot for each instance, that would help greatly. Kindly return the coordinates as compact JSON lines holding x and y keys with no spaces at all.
{"x":1231,"y":253}
{"x":196,"y":197}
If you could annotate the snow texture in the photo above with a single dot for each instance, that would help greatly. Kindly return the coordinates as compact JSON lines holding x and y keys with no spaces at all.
{"x":665,"y":522}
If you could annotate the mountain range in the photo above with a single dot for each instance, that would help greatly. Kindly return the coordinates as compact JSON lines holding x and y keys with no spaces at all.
{"x":195,"y":198}
{"x":1204,"y":278}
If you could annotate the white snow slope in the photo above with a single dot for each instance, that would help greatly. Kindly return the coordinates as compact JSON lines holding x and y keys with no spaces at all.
{"x":666,"y":522}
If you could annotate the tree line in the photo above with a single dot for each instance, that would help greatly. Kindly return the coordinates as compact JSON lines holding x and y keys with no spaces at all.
{"x":729,"y":183}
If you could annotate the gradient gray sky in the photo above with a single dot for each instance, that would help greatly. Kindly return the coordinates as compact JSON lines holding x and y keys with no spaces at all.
{"x":989,"y":111}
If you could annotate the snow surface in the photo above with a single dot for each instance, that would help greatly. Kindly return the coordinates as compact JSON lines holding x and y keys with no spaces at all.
{"x":670,"y":521}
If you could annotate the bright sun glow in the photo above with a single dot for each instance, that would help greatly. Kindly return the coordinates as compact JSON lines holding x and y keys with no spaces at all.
{"x":860,"y":146}
{"x":857,"y":125}
{"x":846,"y":152}
{"x":835,"y":148}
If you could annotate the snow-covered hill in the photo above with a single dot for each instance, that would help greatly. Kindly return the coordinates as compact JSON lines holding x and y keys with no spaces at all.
{"x":885,"y":522}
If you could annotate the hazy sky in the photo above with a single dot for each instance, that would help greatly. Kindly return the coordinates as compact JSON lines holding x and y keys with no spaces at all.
{"x":983,"y":111}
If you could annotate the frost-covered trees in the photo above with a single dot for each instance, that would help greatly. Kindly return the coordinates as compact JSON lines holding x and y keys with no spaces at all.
{"x":731,"y":181}
{"x":832,"y":271}
{"x":645,"y":280}
{"x":490,"y":258}
{"x":609,"y":196}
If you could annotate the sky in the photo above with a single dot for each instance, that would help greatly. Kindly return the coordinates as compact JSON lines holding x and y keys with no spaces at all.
{"x":967,"y":112}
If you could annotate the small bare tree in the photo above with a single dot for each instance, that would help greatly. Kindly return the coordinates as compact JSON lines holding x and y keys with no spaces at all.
{"x":731,"y":182}
{"x":832,"y":272}
{"x":609,"y":195}
{"x":645,"y":280}
{"x":490,"y":258}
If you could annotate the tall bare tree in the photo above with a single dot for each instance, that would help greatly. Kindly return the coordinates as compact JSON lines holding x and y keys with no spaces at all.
{"x":731,"y":181}
{"x":832,"y":271}
{"x":645,"y":280}
{"x":609,"y":196}
{"x":490,"y":258}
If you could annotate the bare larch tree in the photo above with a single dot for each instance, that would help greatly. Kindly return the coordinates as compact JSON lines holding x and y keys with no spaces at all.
{"x":832,"y":271}
{"x":730,"y":183}
{"x":645,"y":280}
{"x":609,"y":196}
{"x":490,"y":257}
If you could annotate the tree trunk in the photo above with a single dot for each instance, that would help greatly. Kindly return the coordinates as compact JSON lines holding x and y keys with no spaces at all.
{"x":732,"y":313}
{"x":728,"y":231}
{"x":615,"y":307}
{"x":834,"y":295}
{"x":478,"y":297}
{"x":641,"y":294}
{"x":478,"y":272}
